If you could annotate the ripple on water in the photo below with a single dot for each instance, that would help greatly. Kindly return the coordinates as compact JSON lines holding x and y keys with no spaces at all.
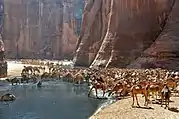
{"x":55,"y":100}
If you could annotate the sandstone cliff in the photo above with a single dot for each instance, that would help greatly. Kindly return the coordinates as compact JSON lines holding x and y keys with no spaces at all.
{"x":164,"y":52}
{"x":121,"y":33}
{"x":41,"y":28}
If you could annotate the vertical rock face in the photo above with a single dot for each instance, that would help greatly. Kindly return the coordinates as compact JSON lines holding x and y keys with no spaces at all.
{"x":164,"y":52}
{"x":93,"y":31}
{"x":129,"y":29}
{"x":41,"y":29}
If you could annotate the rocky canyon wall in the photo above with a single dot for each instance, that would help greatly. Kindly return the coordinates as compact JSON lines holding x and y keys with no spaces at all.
{"x":129,"y":33}
{"x":41,"y":28}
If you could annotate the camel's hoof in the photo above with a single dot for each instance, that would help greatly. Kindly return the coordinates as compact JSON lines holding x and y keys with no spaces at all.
{"x":132,"y":106}
{"x":165,"y":108}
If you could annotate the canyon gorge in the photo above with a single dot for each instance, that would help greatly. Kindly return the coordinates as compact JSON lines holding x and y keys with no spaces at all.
{"x":129,"y":33}
{"x":105,"y":33}
{"x":41,"y":28}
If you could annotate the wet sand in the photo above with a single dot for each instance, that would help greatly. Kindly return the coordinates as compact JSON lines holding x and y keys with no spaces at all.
{"x":122,"y":110}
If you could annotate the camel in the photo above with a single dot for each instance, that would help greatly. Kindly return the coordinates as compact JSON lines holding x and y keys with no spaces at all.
{"x":165,"y":96}
{"x":45,"y":75}
{"x":55,"y":75}
{"x":39,"y":84}
{"x":118,"y":88}
{"x":78,"y":78}
{"x":41,"y":68}
{"x":14,"y":80}
{"x":171,"y":83}
{"x":97,"y":86}
{"x":68,"y":76}
{"x":154,"y":89}
{"x":28,"y":68}
{"x":25,"y":77}
{"x":36,"y":69}
{"x":138,"y":89}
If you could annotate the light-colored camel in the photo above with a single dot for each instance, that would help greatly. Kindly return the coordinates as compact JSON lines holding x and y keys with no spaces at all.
{"x":138,"y":89}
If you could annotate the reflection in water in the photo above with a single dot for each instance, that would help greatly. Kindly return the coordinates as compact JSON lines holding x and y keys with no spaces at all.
{"x":54,"y":100}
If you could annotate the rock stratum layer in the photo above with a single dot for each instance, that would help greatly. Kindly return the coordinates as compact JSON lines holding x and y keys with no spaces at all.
{"x":129,"y":33}
{"x":41,"y":28}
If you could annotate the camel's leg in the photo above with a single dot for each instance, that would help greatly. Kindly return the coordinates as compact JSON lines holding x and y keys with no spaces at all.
{"x":90,"y":91}
{"x":146,"y":100}
{"x":109,"y":94}
{"x":148,"y":96}
{"x":132,"y":94}
{"x":79,"y":82}
{"x":152,"y":94}
{"x":132,"y":99}
{"x":137,"y":100}
{"x":165,"y":103}
{"x":161,"y":101}
{"x":103,"y":92}
{"x":156,"y":93}
{"x":96,"y":93}
{"x":168,"y":102}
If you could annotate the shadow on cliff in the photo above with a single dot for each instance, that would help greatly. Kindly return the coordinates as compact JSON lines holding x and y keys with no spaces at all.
{"x":129,"y":34}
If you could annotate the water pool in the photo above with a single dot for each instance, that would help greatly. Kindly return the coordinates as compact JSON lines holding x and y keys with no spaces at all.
{"x":54,"y":100}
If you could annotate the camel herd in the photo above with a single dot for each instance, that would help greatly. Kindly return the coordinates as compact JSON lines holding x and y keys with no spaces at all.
{"x":151,"y":83}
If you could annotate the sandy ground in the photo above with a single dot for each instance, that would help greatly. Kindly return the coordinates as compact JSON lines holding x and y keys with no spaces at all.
{"x":15,"y":68}
{"x":122,"y":110}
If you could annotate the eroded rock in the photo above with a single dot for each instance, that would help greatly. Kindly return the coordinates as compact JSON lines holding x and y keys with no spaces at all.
{"x":41,"y":29}
{"x":132,"y":29}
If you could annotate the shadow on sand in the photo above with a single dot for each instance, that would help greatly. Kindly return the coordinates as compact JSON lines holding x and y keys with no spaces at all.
{"x":173,"y":109}
{"x":98,"y":98}
{"x":143,"y":107}
{"x":158,"y":101}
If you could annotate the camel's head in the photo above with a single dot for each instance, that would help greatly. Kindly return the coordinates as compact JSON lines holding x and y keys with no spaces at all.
{"x":8,"y":80}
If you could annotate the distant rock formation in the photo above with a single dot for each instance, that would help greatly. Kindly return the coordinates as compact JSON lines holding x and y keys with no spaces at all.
{"x":41,"y":28}
{"x":129,"y":33}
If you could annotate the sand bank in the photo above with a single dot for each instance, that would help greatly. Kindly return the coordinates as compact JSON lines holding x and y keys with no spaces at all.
{"x":122,"y":110}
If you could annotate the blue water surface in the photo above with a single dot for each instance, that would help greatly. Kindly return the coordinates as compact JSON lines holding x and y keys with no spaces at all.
{"x":54,"y":100}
